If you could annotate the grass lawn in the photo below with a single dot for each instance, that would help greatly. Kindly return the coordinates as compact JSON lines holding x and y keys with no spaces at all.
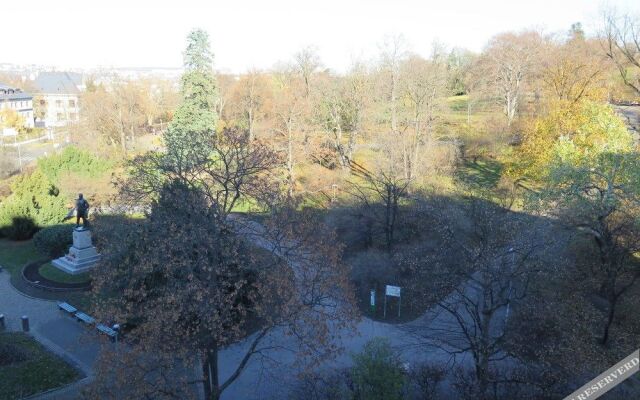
{"x":52,"y":273}
{"x":14,"y":255}
{"x":27,"y":368}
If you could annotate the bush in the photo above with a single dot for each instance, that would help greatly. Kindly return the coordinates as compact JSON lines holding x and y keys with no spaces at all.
{"x":377,"y":372}
{"x":54,"y":240}
{"x":20,"y":228}
{"x":73,"y":160}
{"x":34,"y":203}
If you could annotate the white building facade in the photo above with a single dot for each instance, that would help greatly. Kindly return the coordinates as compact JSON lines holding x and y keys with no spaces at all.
{"x":58,"y":96}
{"x":19,"y":101}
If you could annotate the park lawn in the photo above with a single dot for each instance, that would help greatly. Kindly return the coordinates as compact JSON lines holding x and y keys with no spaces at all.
{"x":33,"y":368}
{"x":15,"y":254}
{"x":52,"y":273}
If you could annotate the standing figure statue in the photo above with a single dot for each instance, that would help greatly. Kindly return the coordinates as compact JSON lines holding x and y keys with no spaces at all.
{"x":82,"y":211}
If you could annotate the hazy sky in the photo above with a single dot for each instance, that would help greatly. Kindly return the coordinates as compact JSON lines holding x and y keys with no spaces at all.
{"x":255,"y":33}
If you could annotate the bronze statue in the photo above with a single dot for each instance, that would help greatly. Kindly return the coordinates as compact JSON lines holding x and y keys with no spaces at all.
{"x":82,"y":211}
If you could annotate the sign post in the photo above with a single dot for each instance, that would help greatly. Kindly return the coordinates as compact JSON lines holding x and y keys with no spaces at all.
{"x":373,"y":301}
{"x":393,"y":291}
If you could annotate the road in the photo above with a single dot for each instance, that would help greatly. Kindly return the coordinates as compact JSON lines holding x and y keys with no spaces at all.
{"x":13,"y":157}
{"x":631,"y":116}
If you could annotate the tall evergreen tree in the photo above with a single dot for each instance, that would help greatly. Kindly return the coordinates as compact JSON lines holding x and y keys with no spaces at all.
{"x":191,"y":134}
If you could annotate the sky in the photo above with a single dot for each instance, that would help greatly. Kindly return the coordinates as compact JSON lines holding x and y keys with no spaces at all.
{"x":249,"y":34}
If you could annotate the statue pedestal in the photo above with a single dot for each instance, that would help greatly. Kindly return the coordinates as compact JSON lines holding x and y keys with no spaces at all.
{"x":82,"y":255}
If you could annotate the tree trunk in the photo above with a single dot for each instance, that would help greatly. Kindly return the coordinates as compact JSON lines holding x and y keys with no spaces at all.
{"x":352,"y":144}
{"x":250,"y":123}
{"x":613,"y":302}
{"x":123,"y":135}
{"x":290,"y":177}
{"x":388,"y":224}
{"x":394,"y":112}
{"x":210,"y":372}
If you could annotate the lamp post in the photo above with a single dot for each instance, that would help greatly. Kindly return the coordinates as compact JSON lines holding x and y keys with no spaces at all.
{"x":116,"y":328}
{"x":513,"y":254}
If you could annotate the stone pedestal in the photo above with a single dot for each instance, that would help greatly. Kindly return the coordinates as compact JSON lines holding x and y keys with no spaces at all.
{"x":82,"y":255}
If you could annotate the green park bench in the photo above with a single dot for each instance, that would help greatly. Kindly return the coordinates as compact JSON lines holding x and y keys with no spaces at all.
{"x":85,"y":318}
{"x":67,"y":307}
{"x":107,"y":331}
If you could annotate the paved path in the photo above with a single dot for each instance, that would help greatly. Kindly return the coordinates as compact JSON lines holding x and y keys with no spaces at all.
{"x":56,"y":331}
{"x":273,"y":375}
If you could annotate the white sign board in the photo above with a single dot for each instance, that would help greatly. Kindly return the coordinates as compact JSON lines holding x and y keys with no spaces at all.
{"x":393,"y":291}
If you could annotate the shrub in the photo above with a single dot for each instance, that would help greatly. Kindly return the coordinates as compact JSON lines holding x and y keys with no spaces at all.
{"x":377,"y":372}
{"x":34,"y":202}
{"x":20,"y":228}
{"x":54,"y":240}
{"x":73,"y":160}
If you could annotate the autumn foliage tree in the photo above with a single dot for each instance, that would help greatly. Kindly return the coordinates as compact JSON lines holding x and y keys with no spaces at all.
{"x":592,"y":184}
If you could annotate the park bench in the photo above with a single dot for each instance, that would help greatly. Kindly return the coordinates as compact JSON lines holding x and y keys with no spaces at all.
{"x":85,"y":318}
{"x":107,"y":331}
{"x":67,"y":307}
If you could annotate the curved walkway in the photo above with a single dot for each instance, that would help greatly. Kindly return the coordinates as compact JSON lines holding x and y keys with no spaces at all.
{"x":59,"y":333}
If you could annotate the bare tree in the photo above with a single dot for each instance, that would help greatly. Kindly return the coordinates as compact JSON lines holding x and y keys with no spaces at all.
{"x":358,"y":89}
{"x":289,"y":106}
{"x":236,"y":170}
{"x":393,"y":51}
{"x":115,"y":113}
{"x":252,"y":97}
{"x":621,"y":37}
{"x":509,"y":59}
{"x":423,"y":88}
{"x":307,"y":62}
{"x":497,"y":259}
{"x":383,"y":189}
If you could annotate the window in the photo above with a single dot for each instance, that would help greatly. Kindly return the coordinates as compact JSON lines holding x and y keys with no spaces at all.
{"x":73,"y":116}
{"x":72,"y":103}
{"x":59,"y":117}
{"x":59,"y":103}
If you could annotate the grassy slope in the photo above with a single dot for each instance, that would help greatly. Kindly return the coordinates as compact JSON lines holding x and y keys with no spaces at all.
{"x":39,"y":372}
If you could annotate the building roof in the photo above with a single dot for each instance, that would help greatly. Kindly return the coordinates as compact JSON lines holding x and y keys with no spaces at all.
{"x":11,"y":93}
{"x":16,"y":96}
{"x":58,"y":82}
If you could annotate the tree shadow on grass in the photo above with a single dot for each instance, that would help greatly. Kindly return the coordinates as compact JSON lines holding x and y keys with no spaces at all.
{"x":483,"y":173}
